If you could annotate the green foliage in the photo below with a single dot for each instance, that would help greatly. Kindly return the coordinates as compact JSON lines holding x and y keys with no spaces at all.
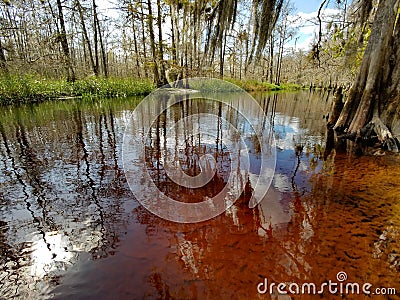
{"x":215,"y":86}
{"x":350,"y":45}
{"x":41,"y":115}
{"x":254,"y":85}
{"x":290,"y":87}
{"x":28,"y":88}
{"x":232,"y":84}
{"x":360,"y":51}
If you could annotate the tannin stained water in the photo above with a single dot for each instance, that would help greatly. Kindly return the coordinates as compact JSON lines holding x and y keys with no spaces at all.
{"x":71,"y":228}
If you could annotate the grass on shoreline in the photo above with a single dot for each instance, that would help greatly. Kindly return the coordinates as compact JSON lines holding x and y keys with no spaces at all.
{"x":254,"y":85}
{"x":30,"y":89}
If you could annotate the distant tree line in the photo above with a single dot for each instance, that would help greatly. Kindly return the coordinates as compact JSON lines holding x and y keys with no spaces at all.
{"x":74,"y":38}
{"x":177,"y":38}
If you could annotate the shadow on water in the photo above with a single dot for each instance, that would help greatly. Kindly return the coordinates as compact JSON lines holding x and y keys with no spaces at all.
{"x":71,"y":228}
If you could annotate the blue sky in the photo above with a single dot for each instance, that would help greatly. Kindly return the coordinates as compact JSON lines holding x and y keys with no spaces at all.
{"x":305,"y":21}
{"x":305,"y":15}
{"x":307,"y":6}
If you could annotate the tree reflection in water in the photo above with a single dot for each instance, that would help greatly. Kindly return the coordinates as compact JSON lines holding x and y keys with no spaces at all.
{"x":70,"y":228}
{"x":59,"y":170}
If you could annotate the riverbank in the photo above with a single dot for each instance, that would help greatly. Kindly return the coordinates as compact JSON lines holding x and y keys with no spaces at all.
{"x":30,"y":89}
{"x":259,"y":86}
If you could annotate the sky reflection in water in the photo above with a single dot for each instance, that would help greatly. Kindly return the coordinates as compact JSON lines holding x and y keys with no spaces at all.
{"x":70,"y":227}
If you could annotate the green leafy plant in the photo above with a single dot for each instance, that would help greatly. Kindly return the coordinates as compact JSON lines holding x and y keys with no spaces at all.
{"x":15,"y":89}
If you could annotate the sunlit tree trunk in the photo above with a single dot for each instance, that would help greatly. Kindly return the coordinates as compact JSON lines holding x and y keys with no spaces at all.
{"x":135,"y":43}
{"x":173,"y":39}
{"x":3,"y":62}
{"x":241,"y":59}
{"x":95,"y":40}
{"x":64,"y":43}
{"x":144,"y":40}
{"x":86,"y":36}
{"x":271,"y":59}
{"x":222,"y":57}
{"x":183,"y":38}
{"x":103,"y":48}
{"x":156,"y":74}
{"x":279,"y":61}
{"x":17,"y":35}
{"x":163,"y":78}
{"x":195,"y":29}
{"x":135,"y":40}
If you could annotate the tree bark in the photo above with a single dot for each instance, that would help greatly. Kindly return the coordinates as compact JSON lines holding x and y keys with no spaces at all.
{"x":86,"y":36}
{"x":375,"y":93}
{"x":95,"y":39}
{"x":157,"y":80}
{"x":64,"y":43}
{"x":3,"y":62}
{"x":271,"y":59}
{"x":163,"y":78}
{"x":174,"y":46}
{"x":222,"y":57}
{"x":103,"y":48}
{"x":135,"y":43}
{"x":143,"y":40}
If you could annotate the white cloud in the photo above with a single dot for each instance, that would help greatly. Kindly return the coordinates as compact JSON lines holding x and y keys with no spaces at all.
{"x":108,"y":8}
{"x":308,"y":26}
{"x":306,"y":43}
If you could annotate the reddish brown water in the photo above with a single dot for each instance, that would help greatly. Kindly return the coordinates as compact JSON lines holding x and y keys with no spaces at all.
{"x":71,"y":229}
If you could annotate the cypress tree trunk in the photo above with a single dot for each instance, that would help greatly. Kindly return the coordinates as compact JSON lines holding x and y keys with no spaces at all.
{"x":374,"y":98}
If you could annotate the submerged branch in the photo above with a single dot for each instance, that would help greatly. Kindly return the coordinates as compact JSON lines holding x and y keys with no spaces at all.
{"x":372,"y":134}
